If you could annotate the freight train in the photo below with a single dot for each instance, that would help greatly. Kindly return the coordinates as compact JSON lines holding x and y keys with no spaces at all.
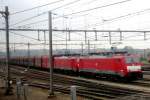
{"x":122,"y":67}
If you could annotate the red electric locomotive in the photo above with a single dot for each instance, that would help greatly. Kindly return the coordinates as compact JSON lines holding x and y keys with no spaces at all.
{"x":121,"y":67}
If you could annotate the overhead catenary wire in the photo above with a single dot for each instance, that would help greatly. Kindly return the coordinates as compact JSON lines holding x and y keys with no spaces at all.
{"x":36,"y":7}
{"x":75,"y":30}
{"x":132,"y":36}
{"x":31,"y":37}
{"x":89,"y":2}
{"x":58,"y":36}
{"x":19,"y":22}
{"x":87,"y":10}
{"x":43,"y":20}
{"x":24,"y":36}
{"x":70,"y":3}
{"x":105,"y":22}
{"x":80,"y":35}
{"x":120,"y":17}
{"x":22,"y":43}
{"x":45,"y":12}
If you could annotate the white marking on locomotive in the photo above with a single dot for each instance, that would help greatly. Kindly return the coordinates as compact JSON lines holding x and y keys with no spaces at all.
{"x":133,"y":68}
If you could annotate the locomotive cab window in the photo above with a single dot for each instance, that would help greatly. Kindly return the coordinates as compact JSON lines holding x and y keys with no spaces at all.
{"x":132,"y":60}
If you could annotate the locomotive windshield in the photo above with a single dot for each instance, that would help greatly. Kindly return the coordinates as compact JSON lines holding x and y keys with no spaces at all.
{"x":132,"y":60}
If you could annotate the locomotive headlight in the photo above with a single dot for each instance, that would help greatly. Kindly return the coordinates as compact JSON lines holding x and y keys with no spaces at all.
{"x":133,"y":68}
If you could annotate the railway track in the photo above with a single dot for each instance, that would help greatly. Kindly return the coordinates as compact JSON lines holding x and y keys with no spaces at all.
{"x":146,"y":67}
{"x":83,"y":83}
{"x":144,"y":82}
{"x":85,"y":87}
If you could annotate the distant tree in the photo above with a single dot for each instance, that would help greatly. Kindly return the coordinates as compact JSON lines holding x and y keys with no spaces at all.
{"x":129,"y":49}
{"x":148,"y":54}
{"x":142,"y":59}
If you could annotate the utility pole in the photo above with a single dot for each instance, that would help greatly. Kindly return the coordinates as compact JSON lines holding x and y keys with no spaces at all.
{"x":44,"y":49}
{"x":82,"y":48}
{"x":69,"y":36}
{"x":120,"y":36}
{"x":144,"y":53}
{"x":94,"y":48}
{"x":95,"y":36}
{"x":85,"y":37}
{"x":66,"y":42}
{"x":38,"y":35}
{"x":28,"y":56}
{"x":44,"y":37}
{"x":109,"y":37}
{"x":51,"y":92}
{"x":88,"y":47}
{"x":8,"y":85}
{"x":144,"y":35}
{"x":14,"y":47}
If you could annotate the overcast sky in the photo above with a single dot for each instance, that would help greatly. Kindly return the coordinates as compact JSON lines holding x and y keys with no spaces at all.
{"x":137,"y":11}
